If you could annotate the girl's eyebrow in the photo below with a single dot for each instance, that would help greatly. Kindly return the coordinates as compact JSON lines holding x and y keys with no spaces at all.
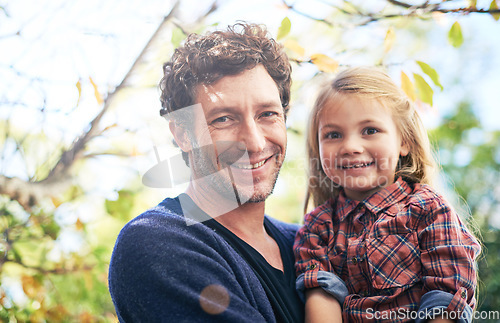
{"x":329,"y":125}
{"x":334,"y":125}
{"x":369,"y":121}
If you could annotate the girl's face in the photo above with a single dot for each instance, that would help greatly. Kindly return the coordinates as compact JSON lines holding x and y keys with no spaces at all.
{"x":359,"y":145}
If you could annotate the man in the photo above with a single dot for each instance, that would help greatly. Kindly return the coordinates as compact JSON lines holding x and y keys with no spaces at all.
{"x":211,"y":255}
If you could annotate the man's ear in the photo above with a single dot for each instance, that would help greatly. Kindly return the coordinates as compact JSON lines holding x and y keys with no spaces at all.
{"x":180,"y":136}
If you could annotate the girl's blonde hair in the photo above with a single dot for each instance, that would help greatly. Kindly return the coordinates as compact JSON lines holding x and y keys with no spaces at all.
{"x":369,"y":83}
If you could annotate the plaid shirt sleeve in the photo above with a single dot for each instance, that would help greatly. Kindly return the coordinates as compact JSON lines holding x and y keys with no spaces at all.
{"x":312,"y":243}
{"x":448,"y":253}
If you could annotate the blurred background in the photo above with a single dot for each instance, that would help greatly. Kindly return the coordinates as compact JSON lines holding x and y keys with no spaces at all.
{"x":79,"y":121}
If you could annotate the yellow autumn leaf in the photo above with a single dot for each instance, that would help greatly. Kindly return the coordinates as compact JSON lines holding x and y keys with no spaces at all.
{"x":79,"y":87}
{"x":97,"y":95}
{"x":31,"y":286}
{"x":294,"y":46}
{"x":407,"y":86}
{"x":390,"y":36}
{"x":79,"y":225}
{"x":56,"y":201}
{"x":494,"y":6}
{"x":324,"y":63}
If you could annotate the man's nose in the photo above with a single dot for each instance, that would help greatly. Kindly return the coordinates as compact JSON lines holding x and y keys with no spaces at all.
{"x":251,"y":135}
{"x":351,"y":145}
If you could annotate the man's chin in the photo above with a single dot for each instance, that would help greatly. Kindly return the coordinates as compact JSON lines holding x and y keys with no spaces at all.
{"x":253,"y":196}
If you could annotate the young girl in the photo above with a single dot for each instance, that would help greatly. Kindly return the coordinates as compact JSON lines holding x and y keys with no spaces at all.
{"x":400,"y":251}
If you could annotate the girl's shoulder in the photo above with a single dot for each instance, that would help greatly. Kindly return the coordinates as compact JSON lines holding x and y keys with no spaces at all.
{"x":427,"y":202}
{"x":425,"y":195}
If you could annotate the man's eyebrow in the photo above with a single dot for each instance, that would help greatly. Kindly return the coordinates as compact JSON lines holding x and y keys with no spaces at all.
{"x":270,"y":103}
{"x":220,"y":110}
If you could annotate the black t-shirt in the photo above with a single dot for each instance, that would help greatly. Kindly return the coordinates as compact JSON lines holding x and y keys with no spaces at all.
{"x":279,"y":286}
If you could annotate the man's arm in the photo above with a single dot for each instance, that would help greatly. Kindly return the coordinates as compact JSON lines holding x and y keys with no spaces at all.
{"x":173,"y":273}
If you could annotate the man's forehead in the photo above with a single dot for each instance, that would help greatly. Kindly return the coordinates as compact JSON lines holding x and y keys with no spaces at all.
{"x":209,"y":92}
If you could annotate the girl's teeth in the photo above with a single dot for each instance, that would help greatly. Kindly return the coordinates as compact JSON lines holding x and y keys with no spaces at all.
{"x":356,"y":166}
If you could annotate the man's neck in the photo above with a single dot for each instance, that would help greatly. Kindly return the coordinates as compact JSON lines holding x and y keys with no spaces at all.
{"x":246,"y":221}
{"x":241,"y":219}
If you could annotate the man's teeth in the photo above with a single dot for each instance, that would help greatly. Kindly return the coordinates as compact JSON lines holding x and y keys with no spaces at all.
{"x":356,"y":166}
{"x":248,"y":166}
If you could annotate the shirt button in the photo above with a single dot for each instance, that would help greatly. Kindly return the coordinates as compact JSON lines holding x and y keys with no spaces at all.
{"x":464,"y":295}
{"x":311,"y":267}
{"x":354,"y":260}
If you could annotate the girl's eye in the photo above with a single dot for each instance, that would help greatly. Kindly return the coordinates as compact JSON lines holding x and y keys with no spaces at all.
{"x":332,"y":135}
{"x":370,"y":131}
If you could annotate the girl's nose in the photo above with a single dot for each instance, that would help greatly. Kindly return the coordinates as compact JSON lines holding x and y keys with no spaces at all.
{"x":351,"y":145}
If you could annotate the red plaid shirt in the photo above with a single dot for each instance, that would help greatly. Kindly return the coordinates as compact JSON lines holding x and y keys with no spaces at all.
{"x":389,"y":249}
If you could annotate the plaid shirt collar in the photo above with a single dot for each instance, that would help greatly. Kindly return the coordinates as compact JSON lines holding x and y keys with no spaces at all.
{"x":384,"y":200}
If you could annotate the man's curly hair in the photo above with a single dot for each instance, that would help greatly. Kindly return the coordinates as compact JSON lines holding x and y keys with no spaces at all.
{"x":205,"y":59}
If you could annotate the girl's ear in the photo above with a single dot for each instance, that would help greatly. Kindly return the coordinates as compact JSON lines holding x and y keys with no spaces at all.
{"x":180,"y":136}
{"x":405,"y":149}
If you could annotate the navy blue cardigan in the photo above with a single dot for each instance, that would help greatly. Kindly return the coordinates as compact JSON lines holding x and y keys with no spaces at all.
{"x":160,"y":266}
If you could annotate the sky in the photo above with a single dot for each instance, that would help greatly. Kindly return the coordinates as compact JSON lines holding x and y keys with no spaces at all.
{"x":61,"y":43}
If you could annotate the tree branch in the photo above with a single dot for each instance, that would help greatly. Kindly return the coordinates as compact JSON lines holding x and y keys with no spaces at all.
{"x":413,"y":11}
{"x":29,"y":194}
{"x":75,"y":152}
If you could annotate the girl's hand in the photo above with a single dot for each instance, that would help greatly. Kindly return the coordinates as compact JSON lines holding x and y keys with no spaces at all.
{"x":322,"y":307}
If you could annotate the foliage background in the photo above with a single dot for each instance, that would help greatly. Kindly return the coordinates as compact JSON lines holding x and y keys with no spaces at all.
{"x":79,"y":119}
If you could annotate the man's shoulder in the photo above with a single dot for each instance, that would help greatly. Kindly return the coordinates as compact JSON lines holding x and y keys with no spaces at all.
{"x":163,"y":216}
{"x":165,"y":221}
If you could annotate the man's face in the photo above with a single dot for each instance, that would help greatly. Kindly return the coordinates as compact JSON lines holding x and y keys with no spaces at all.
{"x":245,"y":122}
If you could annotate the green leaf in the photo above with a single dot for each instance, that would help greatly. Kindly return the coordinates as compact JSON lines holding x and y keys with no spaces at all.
{"x":431,"y":73}
{"x":284,"y":29}
{"x":494,"y":6}
{"x":455,"y":36}
{"x":425,"y":92}
{"x":122,"y":207}
{"x":177,"y":37}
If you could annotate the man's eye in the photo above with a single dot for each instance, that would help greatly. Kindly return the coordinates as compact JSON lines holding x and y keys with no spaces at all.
{"x":370,"y":131}
{"x":268,"y":114}
{"x":220,"y":120}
